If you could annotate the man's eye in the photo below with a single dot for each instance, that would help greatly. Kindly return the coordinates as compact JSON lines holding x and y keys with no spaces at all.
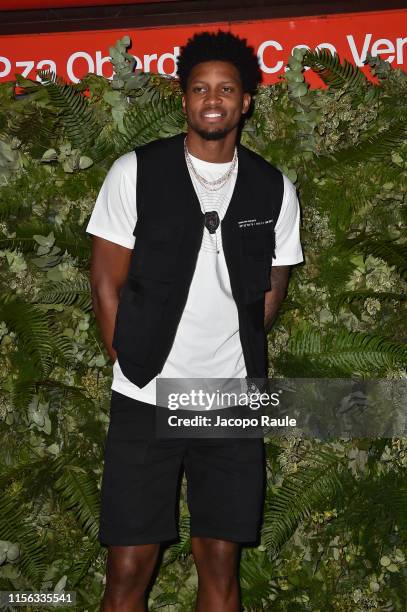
{"x":227,"y":89}
{"x":198,"y":89}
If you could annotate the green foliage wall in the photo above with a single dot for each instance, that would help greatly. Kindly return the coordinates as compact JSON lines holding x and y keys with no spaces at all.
{"x":335,"y":527}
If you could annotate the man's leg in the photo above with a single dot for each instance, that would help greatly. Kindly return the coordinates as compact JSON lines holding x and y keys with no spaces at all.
{"x":138,"y":501}
{"x":225,"y":496}
{"x":217,"y":566}
{"x":128,"y":573}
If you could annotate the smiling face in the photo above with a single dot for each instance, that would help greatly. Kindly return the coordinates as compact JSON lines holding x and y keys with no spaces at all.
{"x":214,"y":100}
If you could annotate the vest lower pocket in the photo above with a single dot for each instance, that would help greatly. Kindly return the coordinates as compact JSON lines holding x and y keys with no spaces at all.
{"x":257,"y":250}
{"x":141,"y":307}
{"x":256,"y":277}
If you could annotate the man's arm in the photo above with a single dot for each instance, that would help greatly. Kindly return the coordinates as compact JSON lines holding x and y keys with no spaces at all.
{"x":273,"y":298}
{"x":109,"y":268}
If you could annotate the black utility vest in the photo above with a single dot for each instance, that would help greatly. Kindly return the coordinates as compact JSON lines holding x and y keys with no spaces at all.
{"x":168,"y":235}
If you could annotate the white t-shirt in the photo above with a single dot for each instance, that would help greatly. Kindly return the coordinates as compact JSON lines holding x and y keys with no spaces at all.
{"x":207,"y":342}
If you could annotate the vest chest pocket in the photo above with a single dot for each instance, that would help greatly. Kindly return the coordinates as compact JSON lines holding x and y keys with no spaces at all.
{"x":156,"y":250}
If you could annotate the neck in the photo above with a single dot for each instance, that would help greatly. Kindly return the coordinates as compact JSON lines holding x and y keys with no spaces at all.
{"x":215,"y":151}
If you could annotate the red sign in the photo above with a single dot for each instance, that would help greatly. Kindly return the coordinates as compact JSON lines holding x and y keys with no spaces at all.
{"x":74,"y":54}
{"x":10,"y":5}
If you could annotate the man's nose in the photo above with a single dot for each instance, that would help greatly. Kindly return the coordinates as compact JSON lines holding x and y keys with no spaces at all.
{"x":212,"y":97}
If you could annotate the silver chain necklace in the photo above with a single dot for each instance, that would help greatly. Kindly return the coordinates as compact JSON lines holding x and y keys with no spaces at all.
{"x":210,"y":185}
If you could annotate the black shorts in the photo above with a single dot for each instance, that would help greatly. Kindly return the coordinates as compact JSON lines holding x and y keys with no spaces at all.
{"x":142,"y":475}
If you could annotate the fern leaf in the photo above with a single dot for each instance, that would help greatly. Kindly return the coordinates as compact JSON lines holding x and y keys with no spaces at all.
{"x":397,"y":500}
{"x":67,"y":238}
{"x":255,"y":572}
{"x":393,"y":253}
{"x":76,"y":292}
{"x":38,"y":128}
{"x":23,"y":390}
{"x":77,"y":114}
{"x":347,"y":297}
{"x":103,"y":147}
{"x":143,"y":124}
{"x":32,"y":330}
{"x":80,"y":566}
{"x":13,"y":527}
{"x":329,"y":68}
{"x":375,"y":148}
{"x":183,"y":547}
{"x":347,"y":351}
{"x":299,"y":494}
{"x":79,"y":493}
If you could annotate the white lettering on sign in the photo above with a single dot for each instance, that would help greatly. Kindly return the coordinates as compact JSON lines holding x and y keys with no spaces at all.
{"x":359,"y":58}
{"x":272,"y":54}
{"x":70,"y":64}
{"x":168,"y":56}
{"x":276,"y":45}
{"x":147,"y":61}
{"x":264,"y":45}
{"x":381,"y":45}
{"x":100,"y":62}
{"x":27,"y":65}
{"x":139,"y":63}
{"x":7,"y":66}
{"x":386,"y":47}
{"x":400,"y":42}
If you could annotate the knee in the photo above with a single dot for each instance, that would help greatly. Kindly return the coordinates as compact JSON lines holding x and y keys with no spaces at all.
{"x":129,"y":571}
{"x":216,"y":559}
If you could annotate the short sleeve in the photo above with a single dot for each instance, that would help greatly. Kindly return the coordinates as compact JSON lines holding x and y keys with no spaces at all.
{"x":288,"y":249}
{"x":114,"y":215}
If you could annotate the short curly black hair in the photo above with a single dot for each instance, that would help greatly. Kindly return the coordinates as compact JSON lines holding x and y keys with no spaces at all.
{"x":223,"y":46}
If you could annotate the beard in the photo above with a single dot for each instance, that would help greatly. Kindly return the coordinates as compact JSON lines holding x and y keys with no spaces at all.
{"x":212,"y":135}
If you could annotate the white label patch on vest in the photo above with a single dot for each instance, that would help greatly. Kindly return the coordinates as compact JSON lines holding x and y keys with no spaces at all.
{"x":254,"y":222}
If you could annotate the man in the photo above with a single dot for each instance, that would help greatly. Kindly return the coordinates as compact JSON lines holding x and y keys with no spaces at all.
{"x":185,"y":230}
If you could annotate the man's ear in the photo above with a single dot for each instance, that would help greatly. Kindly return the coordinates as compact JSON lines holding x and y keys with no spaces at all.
{"x":246,"y":103}
{"x":183,"y":104}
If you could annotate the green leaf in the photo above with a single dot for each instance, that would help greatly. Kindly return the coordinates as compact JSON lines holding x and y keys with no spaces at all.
{"x":299,"y":493}
{"x":49,"y":155}
{"x":85,"y":162}
{"x":80,"y":495}
{"x":391,"y":251}
{"x":77,"y":114}
{"x":47,"y":241}
{"x":345,"y":352}
{"x":142,"y":124}
{"x":329,"y":68}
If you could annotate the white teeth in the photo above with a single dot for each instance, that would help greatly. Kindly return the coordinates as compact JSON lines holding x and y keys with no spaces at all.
{"x":213,"y":115}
